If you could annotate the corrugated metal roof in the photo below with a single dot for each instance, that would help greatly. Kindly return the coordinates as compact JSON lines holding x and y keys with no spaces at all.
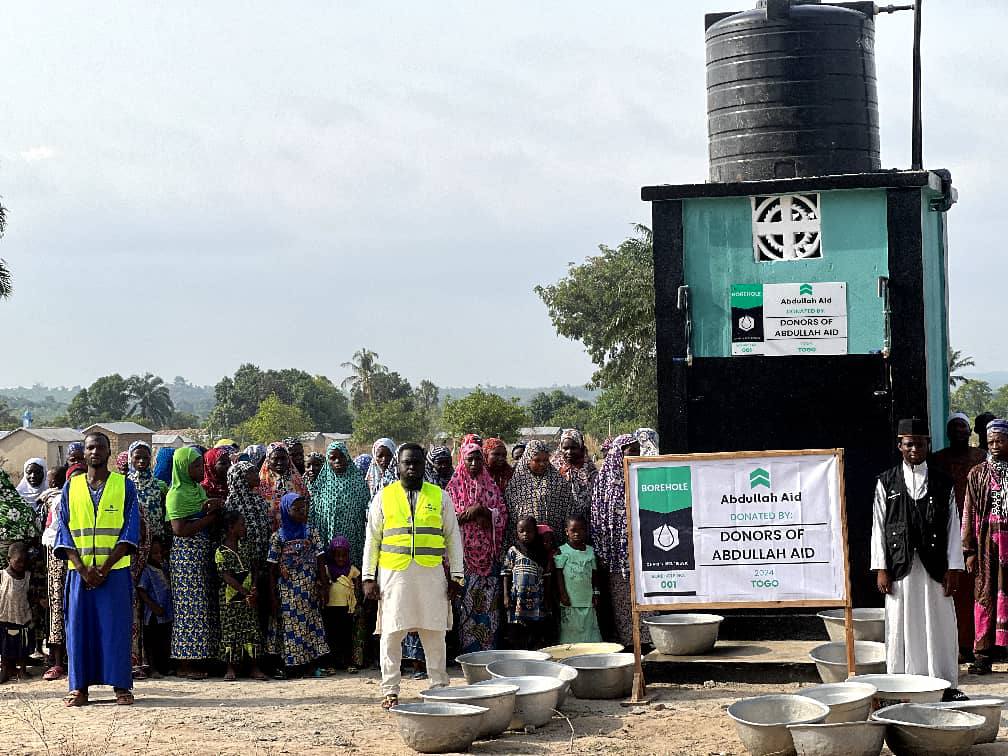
{"x":119,"y":428}
{"x":540,"y":430}
{"x":57,"y":435}
{"x":168,"y":438}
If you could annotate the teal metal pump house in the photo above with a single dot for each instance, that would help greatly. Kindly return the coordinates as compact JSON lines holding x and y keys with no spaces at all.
{"x":801,"y":295}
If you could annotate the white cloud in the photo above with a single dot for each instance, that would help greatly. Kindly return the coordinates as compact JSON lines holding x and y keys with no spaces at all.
{"x":40,"y":152}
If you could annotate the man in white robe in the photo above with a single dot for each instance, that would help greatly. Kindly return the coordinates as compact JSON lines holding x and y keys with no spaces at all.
{"x":915,"y":548}
{"x":417,"y":598}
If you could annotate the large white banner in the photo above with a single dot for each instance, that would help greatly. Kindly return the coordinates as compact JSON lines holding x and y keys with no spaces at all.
{"x":737,"y":530}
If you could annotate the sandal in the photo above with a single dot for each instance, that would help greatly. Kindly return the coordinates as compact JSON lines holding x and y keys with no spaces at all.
{"x":319,"y":672}
{"x":979,"y":668}
{"x":55,"y":672}
{"x":124,"y":697}
{"x":139,"y":674}
{"x":197,"y":676}
{"x":259,"y":675}
{"x":76,"y":698}
{"x":279,"y":675}
{"x":390,"y":701}
{"x":230,"y":677}
{"x":352,"y":670}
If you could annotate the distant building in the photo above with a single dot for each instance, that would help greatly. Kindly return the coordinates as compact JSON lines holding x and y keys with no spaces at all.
{"x":121,"y":435}
{"x":317,"y":441}
{"x":170,"y":440}
{"x":547,"y":433}
{"x":22,"y":444}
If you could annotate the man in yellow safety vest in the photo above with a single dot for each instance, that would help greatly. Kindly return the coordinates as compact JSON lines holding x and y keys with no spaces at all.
{"x":98,"y":530}
{"x":412,"y":532}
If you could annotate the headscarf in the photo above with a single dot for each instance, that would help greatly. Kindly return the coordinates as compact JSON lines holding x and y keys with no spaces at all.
{"x":608,"y":510}
{"x":163,"y":465}
{"x":377,"y":478}
{"x":150,"y":492}
{"x":648,"y":438}
{"x":998,"y":425}
{"x":272,"y":486}
{"x":503,"y":476}
{"x":185,"y":497}
{"x":214,"y":488}
{"x":245,"y":499}
{"x":472,"y":438}
{"x":76,"y":467}
{"x":363,"y":462}
{"x":226,"y":442}
{"x":290,"y":530}
{"x":340,"y":504}
{"x":960,"y":416}
{"x":430,"y":468}
{"x":122,"y":462}
{"x":18,"y":521}
{"x":29,"y":492}
{"x":481,"y":546}
{"x":581,"y":478}
{"x":335,"y":571}
{"x":256,"y":454}
{"x":548,"y":498}
{"x":74,"y":446}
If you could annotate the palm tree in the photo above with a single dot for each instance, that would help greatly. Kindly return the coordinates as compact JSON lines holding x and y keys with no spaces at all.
{"x":363,"y":367}
{"x":957,"y":361}
{"x":6,"y":280}
{"x":150,"y":398}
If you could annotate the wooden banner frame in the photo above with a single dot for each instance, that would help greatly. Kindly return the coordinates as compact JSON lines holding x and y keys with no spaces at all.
{"x":639,"y":691}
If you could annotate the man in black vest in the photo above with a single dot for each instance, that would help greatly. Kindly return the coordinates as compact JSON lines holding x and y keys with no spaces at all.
{"x":915,"y":549}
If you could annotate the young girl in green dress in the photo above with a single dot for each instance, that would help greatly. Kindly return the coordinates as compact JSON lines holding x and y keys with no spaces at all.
{"x":240,"y":637}
{"x":576,"y":570}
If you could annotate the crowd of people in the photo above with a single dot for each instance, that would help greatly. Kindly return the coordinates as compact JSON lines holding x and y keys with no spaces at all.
{"x":267,"y":563}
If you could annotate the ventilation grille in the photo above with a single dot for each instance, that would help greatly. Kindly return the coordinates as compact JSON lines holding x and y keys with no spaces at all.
{"x":786,"y":227}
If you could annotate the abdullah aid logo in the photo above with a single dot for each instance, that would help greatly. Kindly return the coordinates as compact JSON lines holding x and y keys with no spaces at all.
{"x":665,"y":508}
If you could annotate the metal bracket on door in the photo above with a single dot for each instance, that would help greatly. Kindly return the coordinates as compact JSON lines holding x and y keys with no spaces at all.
{"x":683,"y":303}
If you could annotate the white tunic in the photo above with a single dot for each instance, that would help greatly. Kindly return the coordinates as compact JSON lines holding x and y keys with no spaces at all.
{"x":415,"y":598}
{"x":920,"y":622}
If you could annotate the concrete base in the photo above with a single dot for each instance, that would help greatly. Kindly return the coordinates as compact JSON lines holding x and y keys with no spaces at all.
{"x":765,"y":661}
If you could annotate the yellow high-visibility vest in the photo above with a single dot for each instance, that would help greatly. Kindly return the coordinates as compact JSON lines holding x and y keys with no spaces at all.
{"x":96,"y":531}
{"x":419,"y":538}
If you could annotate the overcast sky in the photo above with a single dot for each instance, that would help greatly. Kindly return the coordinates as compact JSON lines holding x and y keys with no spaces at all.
{"x":215,"y":183}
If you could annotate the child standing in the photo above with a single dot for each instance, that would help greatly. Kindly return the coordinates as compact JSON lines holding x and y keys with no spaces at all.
{"x":240,"y":636}
{"x":576,"y":574}
{"x":523,"y":570}
{"x":341,"y":608}
{"x":300,"y":587}
{"x":16,"y":601}
{"x":154,"y":591}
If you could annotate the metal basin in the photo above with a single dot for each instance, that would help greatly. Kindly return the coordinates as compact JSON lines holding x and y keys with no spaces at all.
{"x":988,"y":707}
{"x":684,"y":634}
{"x":438,"y":727}
{"x":869,"y":624}
{"x":474,"y":664}
{"x":762,"y":722}
{"x":566,"y":650}
{"x":524,"y":668}
{"x":535,"y":700}
{"x":916,"y":730}
{"x":499,"y":700}
{"x":894,"y":689}
{"x":602,"y":675}
{"x":831,"y":659}
{"x":847,"y":701}
{"x":847,"y":738}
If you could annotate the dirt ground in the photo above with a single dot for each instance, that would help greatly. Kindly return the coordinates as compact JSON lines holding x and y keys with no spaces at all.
{"x":341,"y":714}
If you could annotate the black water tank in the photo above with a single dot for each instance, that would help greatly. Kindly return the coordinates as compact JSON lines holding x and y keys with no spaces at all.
{"x":791,"y":92}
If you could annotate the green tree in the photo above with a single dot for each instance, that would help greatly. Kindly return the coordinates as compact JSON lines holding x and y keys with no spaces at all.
{"x":80,"y":412}
{"x":325,"y":404}
{"x":363,"y":367}
{"x":8,"y":419}
{"x":6,"y":279}
{"x":399,"y":419}
{"x":427,"y":395}
{"x":105,"y":400}
{"x":385,"y":387}
{"x":184,"y":420}
{"x":274,"y":419}
{"x":150,"y":398}
{"x":551,"y":408}
{"x":999,"y":402}
{"x":972,"y":397}
{"x":619,"y":410}
{"x":607,"y":303}
{"x":957,"y":361}
{"x":486,"y":414}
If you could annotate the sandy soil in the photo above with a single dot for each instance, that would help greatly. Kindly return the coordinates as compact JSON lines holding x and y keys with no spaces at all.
{"x":342,"y":714}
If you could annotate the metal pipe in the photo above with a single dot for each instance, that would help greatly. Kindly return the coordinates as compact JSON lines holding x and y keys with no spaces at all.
{"x":917,"y":135}
{"x":892,"y":8}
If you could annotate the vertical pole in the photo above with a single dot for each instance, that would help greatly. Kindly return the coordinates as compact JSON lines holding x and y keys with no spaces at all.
{"x":917,"y":133}
{"x":639,"y":692}
{"x":848,"y":612}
